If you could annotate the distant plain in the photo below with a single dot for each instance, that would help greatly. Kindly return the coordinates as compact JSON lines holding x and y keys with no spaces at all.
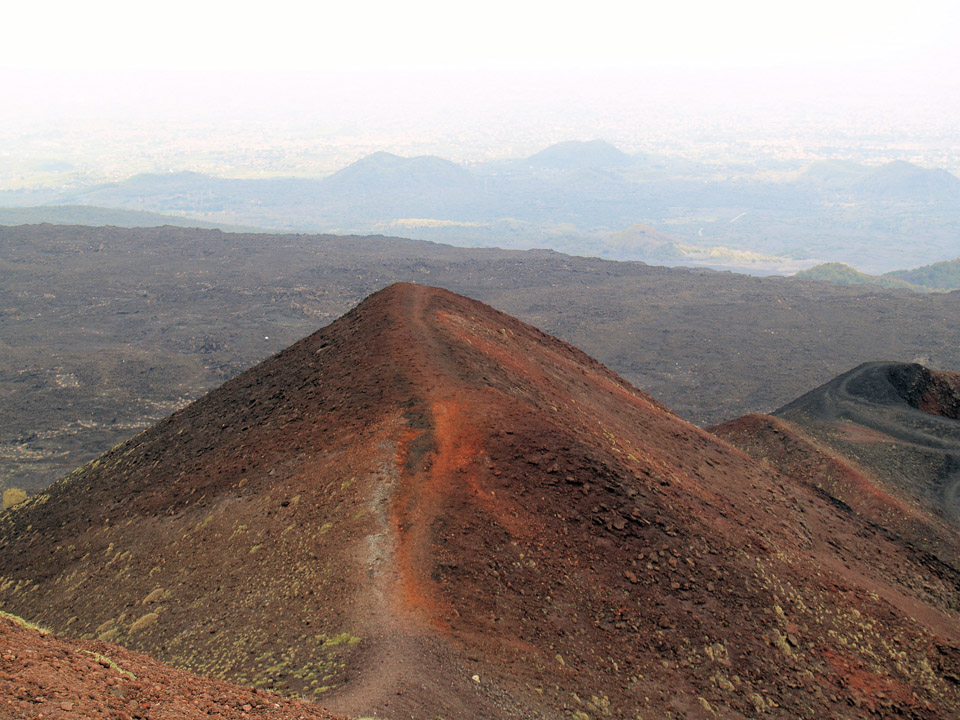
{"x":764,"y":216}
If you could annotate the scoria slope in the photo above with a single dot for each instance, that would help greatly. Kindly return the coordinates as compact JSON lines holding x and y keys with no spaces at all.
{"x":430,"y":509}
{"x":881,"y":443}
{"x":44,"y":676}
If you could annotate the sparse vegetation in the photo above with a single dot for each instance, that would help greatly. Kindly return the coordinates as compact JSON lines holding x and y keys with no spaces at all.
{"x":154,"y":596}
{"x":23,"y":623}
{"x":13,"y":496}
{"x":148,"y":620}
{"x":341,"y":639}
{"x":840,"y":274}
{"x":104,"y":660}
{"x":938,"y":276}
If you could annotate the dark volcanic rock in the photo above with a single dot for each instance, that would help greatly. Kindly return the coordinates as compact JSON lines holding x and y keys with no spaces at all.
{"x":898,"y":420}
{"x":104,"y":331}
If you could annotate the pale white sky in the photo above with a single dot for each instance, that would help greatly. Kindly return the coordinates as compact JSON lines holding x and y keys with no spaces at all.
{"x":499,"y":77}
{"x":495,"y":34}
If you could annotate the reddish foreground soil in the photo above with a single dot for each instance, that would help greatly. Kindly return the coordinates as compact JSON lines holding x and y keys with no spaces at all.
{"x":429,"y":509}
{"x":43,"y":676}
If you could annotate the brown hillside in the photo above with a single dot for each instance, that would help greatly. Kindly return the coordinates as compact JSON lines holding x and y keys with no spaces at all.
{"x":429,"y":509}
{"x":931,"y":542}
{"x":43,"y":676}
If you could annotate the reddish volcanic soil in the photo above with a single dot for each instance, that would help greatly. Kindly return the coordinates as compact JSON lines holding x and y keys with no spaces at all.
{"x":927,"y":547}
{"x":429,"y":509}
{"x":42,"y":676}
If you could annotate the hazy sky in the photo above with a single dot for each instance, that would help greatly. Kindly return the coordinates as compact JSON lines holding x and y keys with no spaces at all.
{"x":472,"y":78}
{"x":435,"y":34}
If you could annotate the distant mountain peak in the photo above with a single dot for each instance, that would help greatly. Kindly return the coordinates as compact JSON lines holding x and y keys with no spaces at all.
{"x":384,"y":167}
{"x":902,"y":180}
{"x":381,"y":156}
{"x":581,"y":155}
